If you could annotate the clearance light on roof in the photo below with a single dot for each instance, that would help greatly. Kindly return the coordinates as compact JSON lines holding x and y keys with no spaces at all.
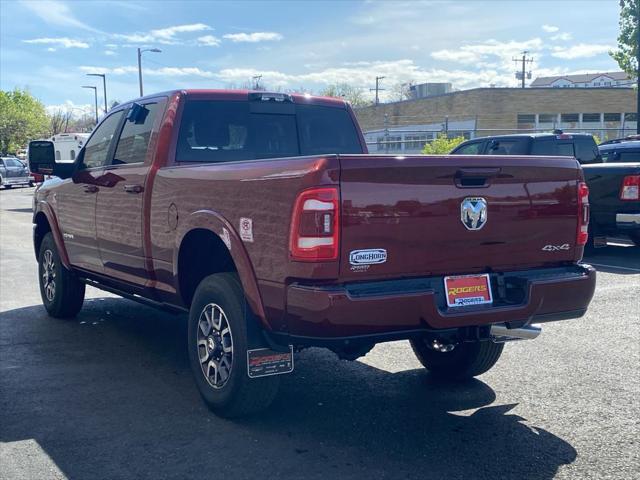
{"x":315,"y":225}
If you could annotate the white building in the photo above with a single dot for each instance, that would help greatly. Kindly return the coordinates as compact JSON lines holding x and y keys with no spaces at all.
{"x":586,"y":80}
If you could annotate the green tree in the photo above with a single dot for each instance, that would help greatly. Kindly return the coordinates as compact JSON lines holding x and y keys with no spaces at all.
{"x":442,"y":145}
{"x":626,"y":54}
{"x":351,"y":94}
{"x":22,"y":118}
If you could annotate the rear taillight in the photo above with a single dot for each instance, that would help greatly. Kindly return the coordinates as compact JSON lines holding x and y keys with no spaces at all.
{"x":630,"y":189}
{"x":583,"y":214}
{"x":315,"y":226}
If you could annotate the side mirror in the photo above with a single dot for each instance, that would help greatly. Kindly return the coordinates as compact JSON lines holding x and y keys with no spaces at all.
{"x":137,"y":114}
{"x":42,"y":159}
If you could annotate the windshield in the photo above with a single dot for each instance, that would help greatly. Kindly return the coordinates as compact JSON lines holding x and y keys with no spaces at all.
{"x":215,"y":131}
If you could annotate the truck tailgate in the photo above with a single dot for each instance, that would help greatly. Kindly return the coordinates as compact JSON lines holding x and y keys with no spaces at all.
{"x":412,"y":209}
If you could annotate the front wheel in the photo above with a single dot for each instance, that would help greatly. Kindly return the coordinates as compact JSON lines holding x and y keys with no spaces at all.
{"x":61,"y":291}
{"x":465,"y":361}
{"x":219,"y":325}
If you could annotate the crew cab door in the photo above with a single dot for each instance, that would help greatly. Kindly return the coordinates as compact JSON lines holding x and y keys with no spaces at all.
{"x":120,"y":204}
{"x":76,"y":197}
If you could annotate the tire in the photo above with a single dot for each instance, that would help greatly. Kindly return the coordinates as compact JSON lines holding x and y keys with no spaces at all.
{"x":227,"y":390}
{"x":635,"y":238}
{"x":465,"y":361}
{"x":8,"y":186}
{"x":61,"y":291}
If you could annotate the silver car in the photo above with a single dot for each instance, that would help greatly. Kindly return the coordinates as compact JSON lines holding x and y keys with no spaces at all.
{"x":14,"y":172}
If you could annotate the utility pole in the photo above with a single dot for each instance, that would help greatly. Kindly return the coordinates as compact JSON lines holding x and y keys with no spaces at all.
{"x":386,"y":130}
{"x":95,"y":93}
{"x":377,"y":89}
{"x":256,"y":82}
{"x":104,"y":86}
{"x":523,"y":74}
{"x":638,"y":68}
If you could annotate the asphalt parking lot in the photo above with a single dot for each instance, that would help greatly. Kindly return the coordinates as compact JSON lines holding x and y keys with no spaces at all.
{"x":110,"y":395}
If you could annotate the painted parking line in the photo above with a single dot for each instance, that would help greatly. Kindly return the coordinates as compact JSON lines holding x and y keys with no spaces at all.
{"x":604,"y":265}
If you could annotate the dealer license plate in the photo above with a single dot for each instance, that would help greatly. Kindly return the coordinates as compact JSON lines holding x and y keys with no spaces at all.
{"x":465,"y":290}
{"x":263,"y":362}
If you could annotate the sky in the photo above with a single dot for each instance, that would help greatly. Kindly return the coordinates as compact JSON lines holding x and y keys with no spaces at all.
{"x":49,"y":46}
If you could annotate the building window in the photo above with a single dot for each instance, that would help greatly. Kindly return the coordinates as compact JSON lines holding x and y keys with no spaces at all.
{"x":415,"y":142}
{"x":547,"y":118}
{"x":395,"y":143}
{"x":380,"y":144}
{"x":630,"y":117}
{"x":526,"y":118}
{"x":611,"y":117}
{"x":570,"y":118}
{"x":591,"y":118}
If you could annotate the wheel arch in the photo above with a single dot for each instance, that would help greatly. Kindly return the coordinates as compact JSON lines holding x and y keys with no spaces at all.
{"x":44,"y":221}
{"x":208,"y":230}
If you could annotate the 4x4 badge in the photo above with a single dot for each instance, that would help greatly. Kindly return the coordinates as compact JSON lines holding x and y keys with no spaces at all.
{"x":473,"y":212}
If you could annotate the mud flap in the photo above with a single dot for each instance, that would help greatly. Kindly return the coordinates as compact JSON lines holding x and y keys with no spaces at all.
{"x":263,"y":362}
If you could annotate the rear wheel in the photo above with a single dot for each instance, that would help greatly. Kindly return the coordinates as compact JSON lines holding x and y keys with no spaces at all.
{"x":62,"y":293}
{"x":466,"y":360}
{"x":220,"y":323}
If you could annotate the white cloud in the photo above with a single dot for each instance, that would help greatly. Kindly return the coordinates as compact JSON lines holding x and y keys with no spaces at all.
{"x":63,"y":42}
{"x":110,"y":53}
{"x":208,"y":41}
{"x":166,"y":36}
{"x":253,"y":37}
{"x":550,"y":28}
{"x":581,"y":50}
{"x":56,"y":13}
{"x":76,"y":110}
{"x":471,"y":54}
{"x":564,"y":36}
{"x":160,"y":72}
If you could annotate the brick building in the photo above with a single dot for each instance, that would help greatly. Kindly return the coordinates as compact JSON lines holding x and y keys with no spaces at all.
{"x":406,"y":126}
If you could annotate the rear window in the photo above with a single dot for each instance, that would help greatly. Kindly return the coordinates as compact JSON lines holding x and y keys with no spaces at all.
{"x":553,"y":148}
{"x":215,"y":131}
{"x":507,"y":147}
{"x":610,"y":156}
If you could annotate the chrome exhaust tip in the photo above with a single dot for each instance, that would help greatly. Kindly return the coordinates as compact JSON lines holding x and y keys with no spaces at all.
{"x":500,"y":333}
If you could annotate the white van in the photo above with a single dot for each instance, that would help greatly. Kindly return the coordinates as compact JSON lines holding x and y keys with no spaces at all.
{"x":67,"y":145}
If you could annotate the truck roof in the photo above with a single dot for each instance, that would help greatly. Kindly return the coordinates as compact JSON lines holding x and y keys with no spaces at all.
{"x":244,"y":95}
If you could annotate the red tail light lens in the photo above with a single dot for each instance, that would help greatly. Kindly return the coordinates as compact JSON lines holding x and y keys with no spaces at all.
{"x":583,"y":214}
{"x":630,"y":188}
{"x":315,"y":226}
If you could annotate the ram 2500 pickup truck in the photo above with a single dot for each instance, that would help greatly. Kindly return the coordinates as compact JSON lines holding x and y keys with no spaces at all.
{"x":263,"y":216}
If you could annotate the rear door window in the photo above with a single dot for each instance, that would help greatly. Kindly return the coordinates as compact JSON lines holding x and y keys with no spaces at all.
{"x":507,"y":147}
{"x":135,"y":136}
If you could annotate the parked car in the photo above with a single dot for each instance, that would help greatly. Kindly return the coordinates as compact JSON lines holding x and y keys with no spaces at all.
{"x":579,"y":145}
{"x":262,"y":216}
{"x":14,"y":172}
{"x":613,"y":186}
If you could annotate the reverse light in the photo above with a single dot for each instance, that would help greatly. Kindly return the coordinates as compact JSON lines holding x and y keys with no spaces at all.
{"x":583,"y":214}
{"x":315,"y":225}
{"x":630,"y":189}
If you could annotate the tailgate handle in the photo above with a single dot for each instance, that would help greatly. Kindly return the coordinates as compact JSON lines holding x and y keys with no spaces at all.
{"x":475,"y":177}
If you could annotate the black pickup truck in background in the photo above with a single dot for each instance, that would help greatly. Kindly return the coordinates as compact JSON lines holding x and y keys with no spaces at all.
{"x":612,"y":172}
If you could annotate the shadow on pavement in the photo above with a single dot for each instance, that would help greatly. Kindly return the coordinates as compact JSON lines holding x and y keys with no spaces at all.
{"x":622,"y":260}
{"x":110,"y":395}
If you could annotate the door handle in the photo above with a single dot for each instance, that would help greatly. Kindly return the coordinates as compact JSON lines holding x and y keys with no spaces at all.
{"x":90,"y":189}
{"x":133,"y":188}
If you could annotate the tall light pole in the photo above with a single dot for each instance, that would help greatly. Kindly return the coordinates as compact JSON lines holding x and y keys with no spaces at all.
{"x":95,"y":93}
{"x":104,"y":86}
{"x":140,"y":52}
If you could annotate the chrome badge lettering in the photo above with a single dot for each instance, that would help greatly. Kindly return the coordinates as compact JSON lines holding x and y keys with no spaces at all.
{"x":473,"y":213}
{"x":556,"y":248}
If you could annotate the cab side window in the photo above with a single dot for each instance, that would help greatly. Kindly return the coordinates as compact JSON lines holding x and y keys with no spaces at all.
{"x":135,"y":136}
{"x":474,"y":148}
{"x":97,"y":148}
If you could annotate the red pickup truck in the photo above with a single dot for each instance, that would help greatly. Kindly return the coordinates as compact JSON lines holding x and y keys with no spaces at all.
{"x":263,"y":216}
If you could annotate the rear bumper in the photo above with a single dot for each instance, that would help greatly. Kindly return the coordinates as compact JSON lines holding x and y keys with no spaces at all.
{"x":398,"y":309}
